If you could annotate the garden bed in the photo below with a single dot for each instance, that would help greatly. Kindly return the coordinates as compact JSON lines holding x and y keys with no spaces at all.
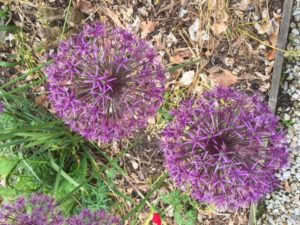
{"x":202,"y":44}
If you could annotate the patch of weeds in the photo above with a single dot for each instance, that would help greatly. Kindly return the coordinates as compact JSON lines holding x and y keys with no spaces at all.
{"x":4,"y":13}
{"x":97,"y":197}
{"x":33,"y":148}
{"x":287,"y":123}
{"x":261,"y":208}
{"x":185,"y":208}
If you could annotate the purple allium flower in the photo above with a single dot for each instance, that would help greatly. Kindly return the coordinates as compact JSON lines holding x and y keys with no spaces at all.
{"x":38,"y":210}
{"x":215,"y":147}
{"x":105,"y":83}
{"x":86,"y":217}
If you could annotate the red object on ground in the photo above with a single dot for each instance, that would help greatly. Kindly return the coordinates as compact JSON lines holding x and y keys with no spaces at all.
{"x":156,"y":219}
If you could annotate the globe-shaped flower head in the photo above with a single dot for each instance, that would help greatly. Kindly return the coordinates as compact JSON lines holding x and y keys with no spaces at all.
{"x":38,"y":210}
{"x":105,"y":83}
{"x":215,"y":146}
{"x":41,"y":209}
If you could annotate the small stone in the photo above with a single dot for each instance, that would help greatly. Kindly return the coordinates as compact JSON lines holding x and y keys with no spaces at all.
{"x":295,"y":96}
{"x":287,"y":186}
{"x":182,"y":12}
{"x":134,"y":164}
{"x":290,"y":76}
{"x":286,"y":116}
{"x":295,"y":32}
{"x":297,"y":113}
{"x":286,"y":175}
{"x":293,"y":187}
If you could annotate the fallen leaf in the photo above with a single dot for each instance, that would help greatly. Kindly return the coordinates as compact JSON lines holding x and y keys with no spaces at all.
{"x":211,"y":44}
{"x":180,"y":55}
{"x":84,"y":6}
{"x":194,"y":30}
{"x":49,"y":14}
{"x":171,"y":39}
{"x":265,"y":87}
{"x":229,"y":61}
{"x":224,"y":16}
{"x":42,"y":101}
{"x":112,"y":15}
{"x":187,"y":78}
{"x":272,"y":54}
{"x":266,"y":27}
{"x":135,"y":26}
{"x":221,"y":76}
{"x":274,"y":36}
{"x":75,"y":17}
{"x":176,"y":59}
{"x":261,"y":76}
{"x":134,"y":164}
{"x":52,"y":33}
{"x":219,"y":28}
{"x":147,"y":27}
{"x":287,"y":187}
{"x":242,"y":5}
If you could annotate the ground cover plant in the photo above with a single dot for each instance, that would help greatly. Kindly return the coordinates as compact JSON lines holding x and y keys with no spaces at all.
{"x":117,"y":117}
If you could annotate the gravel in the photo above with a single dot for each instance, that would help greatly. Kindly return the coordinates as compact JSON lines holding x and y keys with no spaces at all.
{"x":283,"y":205}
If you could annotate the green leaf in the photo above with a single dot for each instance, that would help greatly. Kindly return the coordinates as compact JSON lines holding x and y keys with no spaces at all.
{"x":9,"y":28}
{"x":63,"y":173}
{"x":58,"y":175}
{"x":8,"y":64}
{"x":172,"y":69}
{"x":6,"y":166}
{"x":23,"y":76}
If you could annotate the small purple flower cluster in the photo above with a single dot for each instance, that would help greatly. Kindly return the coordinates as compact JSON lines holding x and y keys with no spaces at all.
{"x":105,"y":83}
{"x":38,"y":210}
{"x":215,"y":147}
{"x":42,"y":210}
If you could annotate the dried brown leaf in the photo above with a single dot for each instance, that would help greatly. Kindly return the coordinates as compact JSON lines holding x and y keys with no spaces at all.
{"x":75,"y":17}
{"x":84,"y":6}
{"x":242,"y":6}
{"x":272,"y":54}
{"x":219,"y":28}
{"x":42,"y":101}
{"x":147,"y":27}
{"x":274,"y":36}
{"x":221,"y":76}
{"x":112,"y":15}
{"x":176,"y":59}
